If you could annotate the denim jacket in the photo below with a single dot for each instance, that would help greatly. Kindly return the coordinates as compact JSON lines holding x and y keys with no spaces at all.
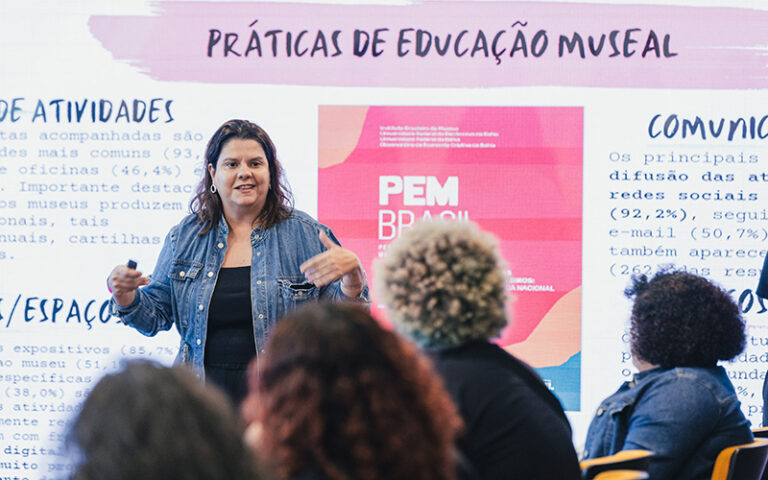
{"x":182,"y":284}
{"x":685,"y":415}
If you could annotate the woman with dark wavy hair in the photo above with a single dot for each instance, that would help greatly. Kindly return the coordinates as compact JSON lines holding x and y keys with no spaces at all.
{"x":151,"y":422}
{"x":337,"y":397}
{"x":680,"y":405}
{"x":240,"y":261}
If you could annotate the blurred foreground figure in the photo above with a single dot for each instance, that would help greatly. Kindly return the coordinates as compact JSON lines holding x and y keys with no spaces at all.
{"x":680,"y":405}
{"x":337,"y":397}
{"x":444,"y":286}
{"x":153,"y":422}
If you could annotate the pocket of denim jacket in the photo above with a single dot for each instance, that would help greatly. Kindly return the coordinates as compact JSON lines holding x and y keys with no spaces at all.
{"x":296,"y":288}
{"x":184,"y":270}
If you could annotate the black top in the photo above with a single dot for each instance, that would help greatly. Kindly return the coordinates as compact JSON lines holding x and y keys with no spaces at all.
{"x":514,"y":426}
{"x":230,"y":344}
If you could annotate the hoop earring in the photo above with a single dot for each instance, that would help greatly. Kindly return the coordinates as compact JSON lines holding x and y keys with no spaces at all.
{"x":213,"y":188}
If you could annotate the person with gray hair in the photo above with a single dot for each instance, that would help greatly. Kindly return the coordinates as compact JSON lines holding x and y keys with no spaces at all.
{"x":444,"y":286}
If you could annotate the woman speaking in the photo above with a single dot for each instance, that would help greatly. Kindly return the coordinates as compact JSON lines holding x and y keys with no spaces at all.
{"x":237,"y":264}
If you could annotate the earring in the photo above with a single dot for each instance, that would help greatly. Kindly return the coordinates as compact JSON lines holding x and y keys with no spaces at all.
{"x":213,"y":188}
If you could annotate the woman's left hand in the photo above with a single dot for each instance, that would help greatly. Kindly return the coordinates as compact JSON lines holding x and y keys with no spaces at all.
{"x":333,"y":264}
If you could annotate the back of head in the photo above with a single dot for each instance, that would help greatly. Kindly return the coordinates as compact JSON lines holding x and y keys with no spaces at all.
{"x":443,"y":283}
{"x":681,"y":319}
{"x":152,"y":422}
{"x":335,"y":392}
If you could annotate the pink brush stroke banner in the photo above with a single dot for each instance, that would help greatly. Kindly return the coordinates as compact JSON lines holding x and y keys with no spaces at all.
{"x":422,"y":45}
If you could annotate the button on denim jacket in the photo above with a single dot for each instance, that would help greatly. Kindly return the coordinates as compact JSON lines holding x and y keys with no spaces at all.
{"x":685,"y":415}
{"x":185,"y":275}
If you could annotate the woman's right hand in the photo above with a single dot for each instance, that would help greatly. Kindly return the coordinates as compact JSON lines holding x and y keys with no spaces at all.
{"x":123,"y":282}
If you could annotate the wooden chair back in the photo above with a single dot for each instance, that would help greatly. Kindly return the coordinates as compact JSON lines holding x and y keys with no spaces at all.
{"x":742,"y":462}
{"x":622,"y":475}
{"x":623,"y":460}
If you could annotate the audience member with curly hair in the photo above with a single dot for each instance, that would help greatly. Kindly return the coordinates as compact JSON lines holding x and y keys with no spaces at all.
{"x":337,"y":397}
{"x":680,"y":405}
{"x":444,"y":286}
{"x":153,"y":422}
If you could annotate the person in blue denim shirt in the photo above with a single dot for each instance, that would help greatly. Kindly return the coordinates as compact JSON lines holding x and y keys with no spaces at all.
{"x":240,"y":262}
{"x":680,"y":405}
